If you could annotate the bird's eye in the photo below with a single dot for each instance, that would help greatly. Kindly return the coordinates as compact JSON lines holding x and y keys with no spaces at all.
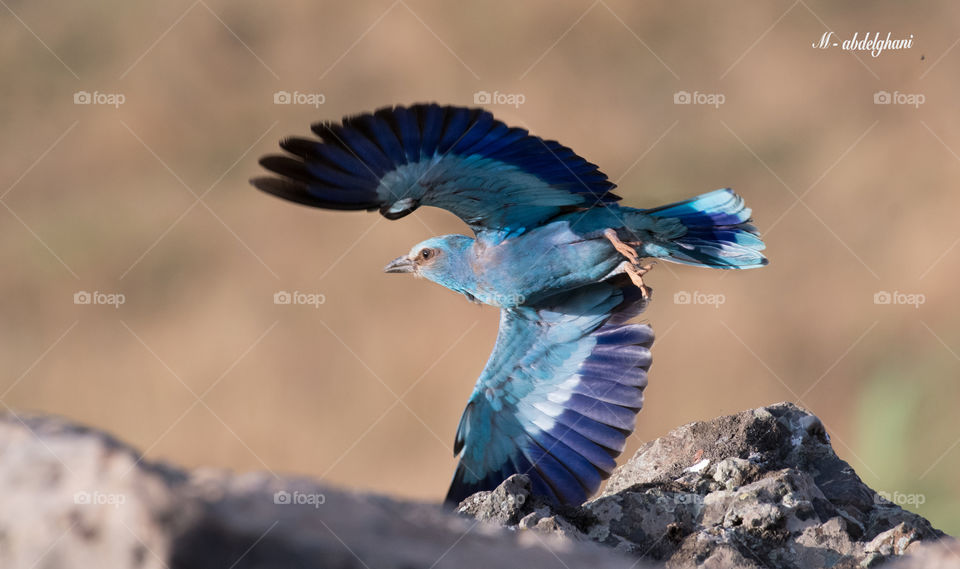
{"x":426,"y":254}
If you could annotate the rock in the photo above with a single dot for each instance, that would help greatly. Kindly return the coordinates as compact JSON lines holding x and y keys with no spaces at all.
{"x":504,"y":506}
{"x":75,"y":497}
{"x":762,"y":488}
{"x":943,"y":554}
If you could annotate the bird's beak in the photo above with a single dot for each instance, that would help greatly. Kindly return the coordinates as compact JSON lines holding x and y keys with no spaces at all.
{"x":399,"y":265}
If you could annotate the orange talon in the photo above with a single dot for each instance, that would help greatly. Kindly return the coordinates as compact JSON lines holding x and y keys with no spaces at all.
{"x":627,"y":251}
{"x":635,"y":271}
{"x":636,"y":275}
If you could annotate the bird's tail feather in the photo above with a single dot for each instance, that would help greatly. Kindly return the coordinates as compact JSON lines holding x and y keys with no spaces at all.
{"x":718,"y":233}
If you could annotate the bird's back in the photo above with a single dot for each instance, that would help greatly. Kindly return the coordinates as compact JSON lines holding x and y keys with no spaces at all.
{"x":541,"y":262}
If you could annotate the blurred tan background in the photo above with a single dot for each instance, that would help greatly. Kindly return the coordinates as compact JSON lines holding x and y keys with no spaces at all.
{"x":200,"y":367}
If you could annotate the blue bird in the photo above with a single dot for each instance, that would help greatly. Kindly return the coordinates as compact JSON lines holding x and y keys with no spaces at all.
{"x":552,"y":249}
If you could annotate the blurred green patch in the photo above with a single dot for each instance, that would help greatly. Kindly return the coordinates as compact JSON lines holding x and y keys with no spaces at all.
{"x":906,"y":422}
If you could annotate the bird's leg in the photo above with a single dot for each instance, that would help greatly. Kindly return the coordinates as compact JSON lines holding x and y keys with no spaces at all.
{"x":634,"y":270}
{"x":627,"y":251}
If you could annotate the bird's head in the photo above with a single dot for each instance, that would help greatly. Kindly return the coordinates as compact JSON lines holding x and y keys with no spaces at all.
{"x":442,"y":260}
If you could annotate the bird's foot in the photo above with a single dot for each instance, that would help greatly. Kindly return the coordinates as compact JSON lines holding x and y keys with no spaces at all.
{"x":636,"y":272}
{"x":626,"y":250}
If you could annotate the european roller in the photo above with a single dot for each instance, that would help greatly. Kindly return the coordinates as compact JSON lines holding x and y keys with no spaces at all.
{"x":551,"y":248}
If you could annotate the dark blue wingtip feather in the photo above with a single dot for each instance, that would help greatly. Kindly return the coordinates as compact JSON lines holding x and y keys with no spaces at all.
{"x":297,"y":193}
{"x":343,"y":168}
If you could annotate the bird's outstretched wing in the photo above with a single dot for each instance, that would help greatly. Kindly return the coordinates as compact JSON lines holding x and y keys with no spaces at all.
{"x":558,"y":396}
{"x":496,"y":178}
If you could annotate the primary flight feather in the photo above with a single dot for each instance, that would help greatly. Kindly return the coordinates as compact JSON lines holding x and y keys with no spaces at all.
{"x":552,"y":249}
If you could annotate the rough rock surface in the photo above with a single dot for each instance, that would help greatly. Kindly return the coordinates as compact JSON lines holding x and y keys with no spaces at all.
{"x":72,"y":497}
{"x":759,"y":489}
